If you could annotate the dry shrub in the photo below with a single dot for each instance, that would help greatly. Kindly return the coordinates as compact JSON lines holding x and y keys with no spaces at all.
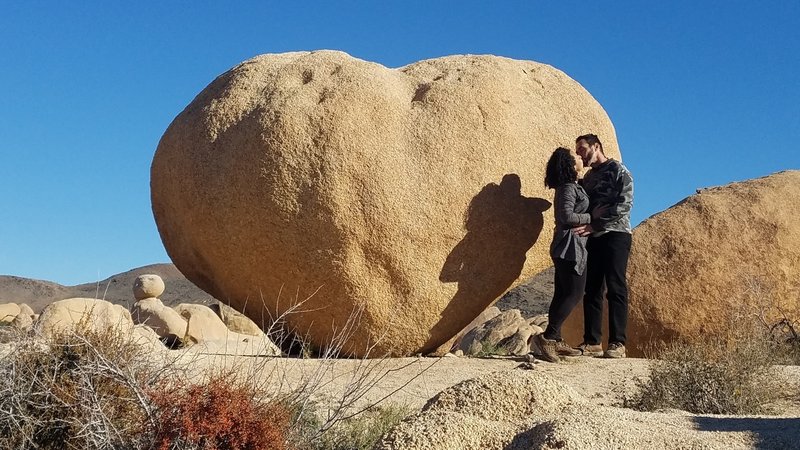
{"x":784,"y":334}
{"x":90,"y":389}
{"x":726,"y":373}
{"x":219,"y":414}
{"x":77,"y":390}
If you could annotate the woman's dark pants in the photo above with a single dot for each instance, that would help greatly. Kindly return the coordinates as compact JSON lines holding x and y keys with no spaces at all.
{"x":566,"y":295}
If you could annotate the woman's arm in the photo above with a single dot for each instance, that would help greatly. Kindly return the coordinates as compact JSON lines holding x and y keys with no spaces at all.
{"x":565,"y":207}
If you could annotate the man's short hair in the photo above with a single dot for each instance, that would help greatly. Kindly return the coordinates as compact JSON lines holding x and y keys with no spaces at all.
{"x":590,"y":139}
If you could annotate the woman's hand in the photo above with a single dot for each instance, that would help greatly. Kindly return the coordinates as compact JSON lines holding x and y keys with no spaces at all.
{"x":583,"y":230}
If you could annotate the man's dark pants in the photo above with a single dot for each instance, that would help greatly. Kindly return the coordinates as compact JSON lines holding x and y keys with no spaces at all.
{"x":608,"y":261}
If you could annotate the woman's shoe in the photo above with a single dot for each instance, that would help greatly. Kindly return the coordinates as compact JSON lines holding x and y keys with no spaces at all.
{"x":548,"y":347}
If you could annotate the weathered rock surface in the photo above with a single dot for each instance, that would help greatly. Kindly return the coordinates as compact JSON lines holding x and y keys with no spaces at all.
{"x":409,"y":197}
{"x":82,"y":314}
{"x":22,"y":322}
{"x":207,"y":329}
{"x":25,"y":309}
{"x":487,"y":314}
{"x":147,"y":338}
{"x":148,"y":286}
{"x":507,"y":331}
{"x":531,"y":297}
{"x":724,"y":252}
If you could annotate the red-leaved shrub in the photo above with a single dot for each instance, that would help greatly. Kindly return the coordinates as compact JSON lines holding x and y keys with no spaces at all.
{"x":220,"y":414}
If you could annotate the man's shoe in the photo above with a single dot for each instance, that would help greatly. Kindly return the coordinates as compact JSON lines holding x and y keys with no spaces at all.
{"x":548,"y":347}
{"x":590,"y":349}
{"x":563,"y":349}
{"x":615,"y":350}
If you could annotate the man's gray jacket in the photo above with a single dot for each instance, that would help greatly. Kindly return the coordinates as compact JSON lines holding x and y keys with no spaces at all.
{"x":610,"y":189}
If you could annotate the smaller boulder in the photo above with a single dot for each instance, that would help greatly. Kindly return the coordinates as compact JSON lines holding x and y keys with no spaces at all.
{"x":203,"y":324}
{"x":236,"y":321}
{"x":148,"y":286}
{"x":8,"y":311}
{"x":507,"y":333}
{"x":487,"y":314}
{"x":82,"y":314}
{"x":238,"y":344}
{"x":165,"y":321}
{"x":22,"y":322}
{"x":25,"y":309}
{"x":540,"y":321}
{"x":147,"y":338}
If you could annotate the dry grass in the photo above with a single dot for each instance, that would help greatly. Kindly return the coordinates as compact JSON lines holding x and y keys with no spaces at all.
{"x":731,"y":372}
{"x":77,"y":390}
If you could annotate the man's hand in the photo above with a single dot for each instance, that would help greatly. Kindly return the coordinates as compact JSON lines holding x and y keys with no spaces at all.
{"x":583,"y":230}
{"x":600,"y":212}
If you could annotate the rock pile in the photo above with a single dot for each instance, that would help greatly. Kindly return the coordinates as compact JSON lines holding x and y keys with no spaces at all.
{"x":149,"y":322}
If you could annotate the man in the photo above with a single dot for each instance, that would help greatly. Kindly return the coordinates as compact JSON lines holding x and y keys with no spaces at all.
{"x":610,"y":188}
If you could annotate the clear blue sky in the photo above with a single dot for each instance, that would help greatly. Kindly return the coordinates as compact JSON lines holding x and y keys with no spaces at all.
{"x":701,"y":94}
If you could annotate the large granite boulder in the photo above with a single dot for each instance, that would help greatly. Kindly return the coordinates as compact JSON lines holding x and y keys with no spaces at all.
{"x":203,"y":324}
{"x":723,"y":256}
{"x":407,"y":199}
{"x":724,"y":252}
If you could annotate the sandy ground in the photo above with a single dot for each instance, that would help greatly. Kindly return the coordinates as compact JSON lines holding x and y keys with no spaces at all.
{"x":411,"y":382}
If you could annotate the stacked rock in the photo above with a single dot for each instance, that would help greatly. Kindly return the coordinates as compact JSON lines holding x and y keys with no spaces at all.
{"x":150,"y":310}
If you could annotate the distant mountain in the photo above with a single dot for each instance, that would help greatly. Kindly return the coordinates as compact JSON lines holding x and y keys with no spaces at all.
{"x":531,"y":297}
{"x":116,"y":289}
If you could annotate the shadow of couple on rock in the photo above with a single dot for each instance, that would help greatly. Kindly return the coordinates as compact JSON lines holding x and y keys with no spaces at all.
{"x":501,"y":225}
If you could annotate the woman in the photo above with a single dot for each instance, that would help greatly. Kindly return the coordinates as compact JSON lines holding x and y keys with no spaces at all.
{"x":568,"y":250}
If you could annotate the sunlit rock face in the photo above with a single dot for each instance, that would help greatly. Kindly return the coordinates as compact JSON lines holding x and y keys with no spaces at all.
{"x":402,"y":202}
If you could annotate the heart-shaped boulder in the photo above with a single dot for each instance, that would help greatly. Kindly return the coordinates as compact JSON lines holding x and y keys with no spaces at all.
{"x":395,"y":204}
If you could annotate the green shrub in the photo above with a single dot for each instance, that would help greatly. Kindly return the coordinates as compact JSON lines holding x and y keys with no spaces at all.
{"x":360,"y":432}
{"x":488,"y":349}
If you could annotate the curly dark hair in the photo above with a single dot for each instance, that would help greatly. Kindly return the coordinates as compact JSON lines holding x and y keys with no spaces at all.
{"x":560,"y":169}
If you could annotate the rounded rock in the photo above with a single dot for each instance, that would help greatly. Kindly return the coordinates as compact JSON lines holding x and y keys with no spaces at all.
{"x":397,"y":204}
{"x":148,"y":286}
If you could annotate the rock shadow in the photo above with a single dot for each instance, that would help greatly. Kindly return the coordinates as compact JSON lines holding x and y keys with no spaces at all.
{"x":502,"y":225}
{"x":767,"y":432}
